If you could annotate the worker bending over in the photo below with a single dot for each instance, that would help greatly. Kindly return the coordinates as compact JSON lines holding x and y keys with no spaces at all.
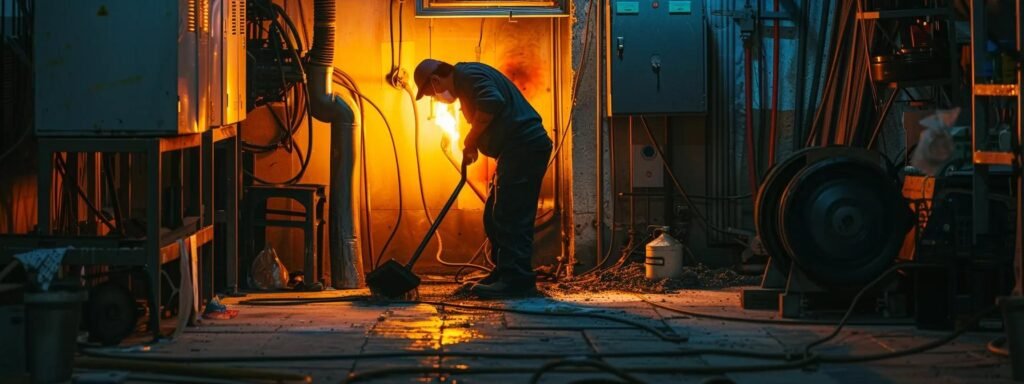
{"x":504,"y":127}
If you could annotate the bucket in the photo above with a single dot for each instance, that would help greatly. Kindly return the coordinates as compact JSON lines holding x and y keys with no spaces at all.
{"x":51,"y":333}
{"x":664,"y":258}
{"x":1013,"y":323}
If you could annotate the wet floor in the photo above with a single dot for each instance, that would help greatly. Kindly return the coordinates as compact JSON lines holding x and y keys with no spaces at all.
{"x":473,"y":345}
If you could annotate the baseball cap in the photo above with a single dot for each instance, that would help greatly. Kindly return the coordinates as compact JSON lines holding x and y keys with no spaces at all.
{"x":422,"y":77}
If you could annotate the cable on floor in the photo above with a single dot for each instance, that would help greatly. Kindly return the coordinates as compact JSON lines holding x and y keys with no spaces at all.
{"x":635,"y":324}
{"x":597,"y":364}
{"x":998,"y":347}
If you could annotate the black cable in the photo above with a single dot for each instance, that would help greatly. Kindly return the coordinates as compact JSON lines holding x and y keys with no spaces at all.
{"x":676,"y":370}
{"x":394,"y":151}
{"x":423,"y":197}
{"x":789,"y":364}
{"x":302,"y":301}
{"x":998,"y":347}
{"x":576,"y":81}
{"x":856,"y":299}
{"x":880,"y":125}
{"x":434,"y":353}
{"x":275,"y":13}
{"x":391,"y":32}
{"x":960,"y":330}
{"x":62,"y":169}
{"x":679,"y":187}
{"x":17,"y":143}
{"x":614,"y":202}
{"x":367,"y":200}
{"x":108,"y":169}
{"x":419,"y":165}
{"x":599,"y":365}
{"x":711,"y":316}
{"x":401,"y":5}
{"x":735,"y":197}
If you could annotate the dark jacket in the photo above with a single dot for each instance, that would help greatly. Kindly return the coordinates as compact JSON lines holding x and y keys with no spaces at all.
{"x":480,"y":87}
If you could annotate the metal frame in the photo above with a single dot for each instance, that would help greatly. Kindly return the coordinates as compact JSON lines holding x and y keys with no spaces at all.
{"x":311,"y":220}
{"x":983,"y":159}
{"x":158,"y":246}
{"x":492,"y":8}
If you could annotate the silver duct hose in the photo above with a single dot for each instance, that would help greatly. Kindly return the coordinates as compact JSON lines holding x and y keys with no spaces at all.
{"x":346,"y":256}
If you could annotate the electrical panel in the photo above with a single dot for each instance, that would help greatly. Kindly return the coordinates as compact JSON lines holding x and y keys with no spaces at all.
{"x":227,"y":91}
{"x":122,"y":67}
{"x":658,"y":57}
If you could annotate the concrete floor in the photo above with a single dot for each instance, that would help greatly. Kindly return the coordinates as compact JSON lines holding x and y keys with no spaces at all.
{"x":362,"y":328}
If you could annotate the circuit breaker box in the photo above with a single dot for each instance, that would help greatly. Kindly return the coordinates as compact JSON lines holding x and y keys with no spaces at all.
{"x":658,"y":57}
{"x":121,"y":67}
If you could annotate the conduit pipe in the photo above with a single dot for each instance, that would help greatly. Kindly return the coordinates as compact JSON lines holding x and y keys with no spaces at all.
{"x":346,"y":255}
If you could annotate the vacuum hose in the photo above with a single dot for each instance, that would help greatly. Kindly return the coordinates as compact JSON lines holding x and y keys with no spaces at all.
{"x":440,"y":216}
{"x":346,"y":256}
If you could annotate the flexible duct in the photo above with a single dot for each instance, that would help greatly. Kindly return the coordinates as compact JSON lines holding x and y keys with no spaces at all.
{"x":346,"y":260}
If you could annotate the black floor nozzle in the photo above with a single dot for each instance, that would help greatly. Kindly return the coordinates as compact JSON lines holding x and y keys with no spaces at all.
{"x":392,"y":279}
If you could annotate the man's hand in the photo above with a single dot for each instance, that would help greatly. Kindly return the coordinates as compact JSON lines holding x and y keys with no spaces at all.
{"x":469,"y":148}
{"x":481,"y":120}
{"x":469,"y":155}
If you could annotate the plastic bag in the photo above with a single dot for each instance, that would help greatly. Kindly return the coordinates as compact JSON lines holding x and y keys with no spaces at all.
{"x":936,"y":145}
{"x":268,"y":273}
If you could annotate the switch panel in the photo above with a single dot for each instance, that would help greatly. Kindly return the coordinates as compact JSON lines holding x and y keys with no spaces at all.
{"x":648,"y":171}
{"x":658,"y":57}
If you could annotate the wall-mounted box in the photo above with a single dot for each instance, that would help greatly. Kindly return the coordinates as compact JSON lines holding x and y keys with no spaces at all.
{"x":227,"y":41}
{"x":658,"y":57}
{"x":121,"y":67}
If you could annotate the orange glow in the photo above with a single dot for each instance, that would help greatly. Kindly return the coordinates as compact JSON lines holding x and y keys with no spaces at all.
{"x":444,"y":118}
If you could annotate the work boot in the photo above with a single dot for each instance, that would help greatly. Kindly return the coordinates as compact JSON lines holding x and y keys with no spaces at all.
{"x":503,"y":289}
{"x":490,"y":278}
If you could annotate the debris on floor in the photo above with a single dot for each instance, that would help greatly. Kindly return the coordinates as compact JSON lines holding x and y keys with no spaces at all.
{"x":215,"y":310}
{"x":630,"y":277}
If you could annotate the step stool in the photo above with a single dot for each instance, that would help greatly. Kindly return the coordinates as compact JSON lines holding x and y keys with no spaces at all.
{"x":257,"y":218}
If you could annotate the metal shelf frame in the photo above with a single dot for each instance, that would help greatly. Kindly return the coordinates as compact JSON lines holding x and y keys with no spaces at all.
{"x":159,"y":245}
{"x":984,"y":158}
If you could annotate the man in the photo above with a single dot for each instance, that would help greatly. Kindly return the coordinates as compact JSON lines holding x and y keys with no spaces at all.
{"x":504,"y":127}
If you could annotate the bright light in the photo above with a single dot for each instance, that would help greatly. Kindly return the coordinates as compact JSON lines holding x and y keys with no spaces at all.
{"x":444,"y":118}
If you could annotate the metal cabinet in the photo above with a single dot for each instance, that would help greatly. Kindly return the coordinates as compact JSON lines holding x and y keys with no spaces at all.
{"x":657,"y":53}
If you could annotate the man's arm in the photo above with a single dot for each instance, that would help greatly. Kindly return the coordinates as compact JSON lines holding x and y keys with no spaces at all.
{"x":489,"y":102}
{"x":481,"y":120}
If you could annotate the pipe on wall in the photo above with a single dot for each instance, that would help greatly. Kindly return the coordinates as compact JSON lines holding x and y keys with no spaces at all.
{"x":346,"y":260}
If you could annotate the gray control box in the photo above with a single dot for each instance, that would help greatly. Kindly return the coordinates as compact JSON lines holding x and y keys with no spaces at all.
{"x":658,"y":57}
{"x":121,"y":67}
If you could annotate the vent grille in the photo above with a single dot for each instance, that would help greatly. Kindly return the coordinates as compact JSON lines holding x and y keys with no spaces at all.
{"x":237,"y":17}
{"x":205,"y":14}
{"x":191,"y":19}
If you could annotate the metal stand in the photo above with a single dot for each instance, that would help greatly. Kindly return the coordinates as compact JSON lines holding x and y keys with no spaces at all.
{"x":311,"y":220}
{"x":185,"y":211}
{"x":984,"y":157}
{"x":785,"y":292}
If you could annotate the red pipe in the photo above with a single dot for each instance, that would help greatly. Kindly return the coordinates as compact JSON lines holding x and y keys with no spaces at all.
{"x":748,"y":74}
{"x":773,"y":132}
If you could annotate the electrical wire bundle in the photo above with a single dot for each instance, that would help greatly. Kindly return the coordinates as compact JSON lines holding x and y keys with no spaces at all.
{"x":838,"y":117}
{"x":271,"y":29}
